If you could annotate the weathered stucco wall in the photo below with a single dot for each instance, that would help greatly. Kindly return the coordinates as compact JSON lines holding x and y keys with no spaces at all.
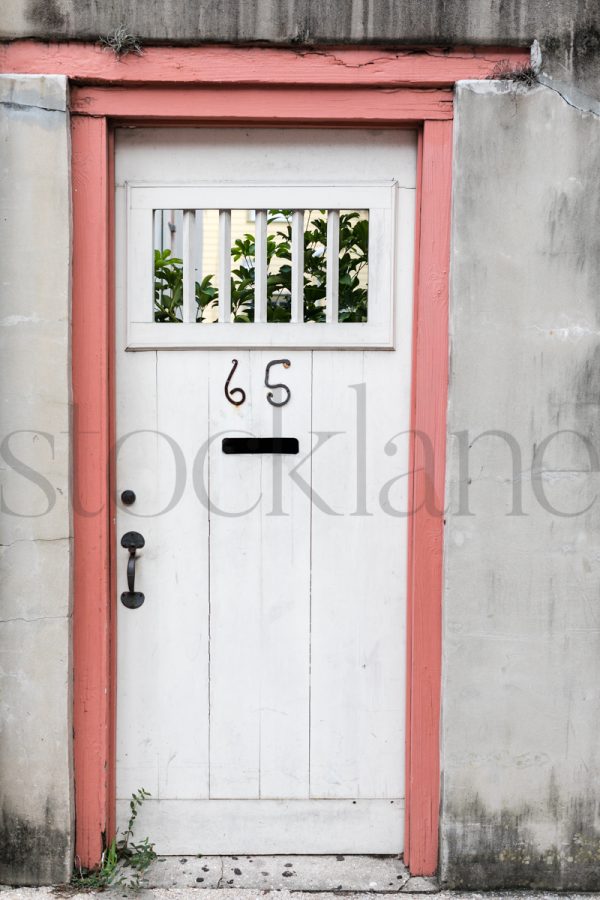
{"x":568,"y":31}
{"x":521,"y":684}
{"x":35,"y":529}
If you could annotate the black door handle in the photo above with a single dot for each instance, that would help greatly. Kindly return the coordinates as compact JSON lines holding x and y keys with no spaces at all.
{"x":132,"y":541}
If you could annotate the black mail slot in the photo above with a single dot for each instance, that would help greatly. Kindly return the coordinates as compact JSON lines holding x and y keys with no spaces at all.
{"x":260,"y":445}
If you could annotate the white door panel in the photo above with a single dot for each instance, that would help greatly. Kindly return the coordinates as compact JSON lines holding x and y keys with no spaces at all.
{"x":260,"y":591}
{"x":261,"y":685}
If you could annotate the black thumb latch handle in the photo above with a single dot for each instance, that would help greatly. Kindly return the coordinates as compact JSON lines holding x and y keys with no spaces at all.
{"x":260,"y":445}
{"x":132,"y":541}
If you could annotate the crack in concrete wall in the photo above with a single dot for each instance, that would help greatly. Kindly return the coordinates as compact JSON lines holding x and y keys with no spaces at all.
{"x":571,"y":95}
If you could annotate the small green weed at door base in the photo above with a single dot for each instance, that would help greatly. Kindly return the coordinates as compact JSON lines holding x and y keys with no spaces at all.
{"x":119,"y":856}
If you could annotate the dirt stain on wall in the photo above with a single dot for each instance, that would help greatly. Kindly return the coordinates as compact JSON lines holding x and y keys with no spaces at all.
{"x":497,"y":849}
{"x":32,"y":853}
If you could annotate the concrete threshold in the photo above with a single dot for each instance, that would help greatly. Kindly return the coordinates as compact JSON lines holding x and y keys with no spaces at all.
{"x":372,"y":874}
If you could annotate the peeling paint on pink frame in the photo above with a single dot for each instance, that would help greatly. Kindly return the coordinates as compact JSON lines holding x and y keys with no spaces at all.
{"x":259,"y":86}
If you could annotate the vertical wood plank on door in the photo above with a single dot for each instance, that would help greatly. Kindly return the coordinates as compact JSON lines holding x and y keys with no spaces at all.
{"x":358,"y":581}
{"x":234,"y":491}
{"x":259,"y":590}
{"x":285,"y":588}
{"x":139,"y":722}
{"x":180,"y":588}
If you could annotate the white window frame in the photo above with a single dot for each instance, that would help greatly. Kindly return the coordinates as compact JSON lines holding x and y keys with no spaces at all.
{"x":143,"y":333}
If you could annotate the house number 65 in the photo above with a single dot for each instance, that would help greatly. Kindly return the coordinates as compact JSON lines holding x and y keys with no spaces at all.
{"x":237,"y":396}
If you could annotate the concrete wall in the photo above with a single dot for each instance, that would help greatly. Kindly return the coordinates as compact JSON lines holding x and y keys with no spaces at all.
{"x":521,"y":691}
{"x":568,"y":30}
{"x":35,"y":525}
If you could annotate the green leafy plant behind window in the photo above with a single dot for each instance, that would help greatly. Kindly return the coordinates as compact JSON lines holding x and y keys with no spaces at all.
{"x":354,"y":267}
{"x":168,"y":289}
{"x":353,"y":273}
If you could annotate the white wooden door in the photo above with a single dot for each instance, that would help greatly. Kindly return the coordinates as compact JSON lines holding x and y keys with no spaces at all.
{"x":261,"y":685}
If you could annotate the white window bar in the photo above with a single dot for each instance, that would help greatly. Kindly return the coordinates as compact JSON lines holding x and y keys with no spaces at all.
{"x":163,"y":233}
{"x":224,"y":265}
{"x":189,"y":274}
{"x":333,"y":264}
{"x":168,"y":227}
{"x":175,"y":226}
{"x":260,"y":267}
{"x":157,"y":228}
{"x":199,"y":249}
{"x":297,"y":311}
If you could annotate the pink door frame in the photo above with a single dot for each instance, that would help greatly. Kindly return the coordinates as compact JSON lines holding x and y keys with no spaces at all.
{"x":251,"y":86}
